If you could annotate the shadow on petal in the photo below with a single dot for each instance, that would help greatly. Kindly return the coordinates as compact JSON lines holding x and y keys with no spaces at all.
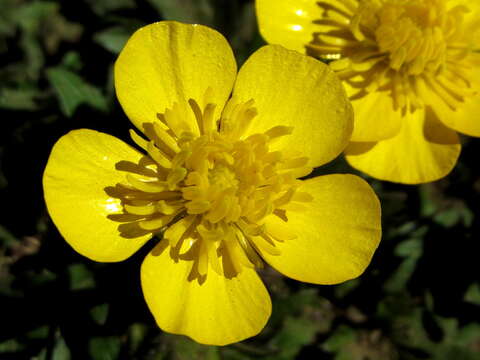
{"x":437,"y":133}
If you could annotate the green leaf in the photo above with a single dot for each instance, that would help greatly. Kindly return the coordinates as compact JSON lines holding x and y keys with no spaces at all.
{"x":411,"y":250}
{"x":186,"y":349}
{"x":104,"y":348}
{"x":453,"y":215}
{"x":345,"y":288}
{"x":473,"y":294}
{"x":468,"y":335}
{"x":113,"y":39}
{"x":99,"y":313}
{"x":10,"y":346}
{"x":80,"y":277}
{"x":449,"y":327}
{"x":14,"y":99}
{"x":73,"y":91}
{"x":341,"y":337}
{"x":106,"y":6}
{"x":6,"y":237}
{"x":38,"y":333}
{"x":61,"y":351}
{"x":189,"y":11}
{"x":401,"y":276}
{"x":295,"y":333}
{"x":136,"y":335}
{"x":72,"y":61}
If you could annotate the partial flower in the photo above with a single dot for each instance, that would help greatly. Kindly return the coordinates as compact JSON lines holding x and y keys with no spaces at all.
{"x":217,"y":179}
{"x":410,"y":67}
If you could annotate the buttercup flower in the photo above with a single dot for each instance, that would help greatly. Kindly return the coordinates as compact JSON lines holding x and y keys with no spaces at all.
{"x":410,"y":67}
{"x":217,"y":180}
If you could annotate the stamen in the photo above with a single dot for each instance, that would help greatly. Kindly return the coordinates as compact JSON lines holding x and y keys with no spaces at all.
{"x":380,"y":45}
{"x":210,"y":192}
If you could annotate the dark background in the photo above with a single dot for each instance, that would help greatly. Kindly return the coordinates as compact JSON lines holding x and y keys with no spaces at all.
{"x":419,"y":299}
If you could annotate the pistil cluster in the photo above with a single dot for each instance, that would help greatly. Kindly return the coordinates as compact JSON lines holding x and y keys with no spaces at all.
{"x":209,"y":193}
{"x":405,"y":47}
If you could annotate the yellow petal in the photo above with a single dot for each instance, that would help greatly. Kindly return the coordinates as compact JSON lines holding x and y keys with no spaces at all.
{"x":218,"y":311}
{"x":81,"y":166}
{"x":423,"y":151}
{"x":288,"y":22}
{"x":465,"y":118}
{"x":374,"y":117}
{"x":291,"y":89}
{"x":336,"y":236}
{"x":472,"y":16}
{"x":471,"y":20}
{"x":169,"y":62}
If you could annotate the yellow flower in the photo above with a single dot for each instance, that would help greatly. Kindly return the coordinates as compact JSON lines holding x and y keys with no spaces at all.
{"x":218,"y":178}
{"x":411,"y":69}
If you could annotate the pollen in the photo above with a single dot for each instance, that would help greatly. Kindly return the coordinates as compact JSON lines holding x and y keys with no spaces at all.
{"x":209,"y":193}
{"x":404,"y":47}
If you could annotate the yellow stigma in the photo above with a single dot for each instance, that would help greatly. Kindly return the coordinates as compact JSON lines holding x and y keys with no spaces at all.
{"x":210,"y":193}
{"x":400,"y":46}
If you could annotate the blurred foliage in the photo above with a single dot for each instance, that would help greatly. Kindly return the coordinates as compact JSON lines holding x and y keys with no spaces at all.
{"x":419,"y":299}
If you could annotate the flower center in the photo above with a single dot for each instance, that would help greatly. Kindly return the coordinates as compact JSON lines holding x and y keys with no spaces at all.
{"x":399,"y":46}
{"x":210,"y":193}
{"x":412,"y":33}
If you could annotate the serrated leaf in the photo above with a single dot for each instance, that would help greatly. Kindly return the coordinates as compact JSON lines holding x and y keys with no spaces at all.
{"x":73,"y":91}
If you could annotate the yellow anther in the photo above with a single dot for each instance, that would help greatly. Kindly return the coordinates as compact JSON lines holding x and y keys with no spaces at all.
{"x":279,"y":131}
{"x":140,"y":210}
{"x":147,"y":186}
{"x":155,"y":224}
{"x":198,"y":206}
{"x":157,"y":156}
{"x":175,"y":176}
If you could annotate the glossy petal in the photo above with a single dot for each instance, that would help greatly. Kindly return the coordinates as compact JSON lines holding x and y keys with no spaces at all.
{"x":288,"y":22}
{"x":374,"y":117}
{"x":465,"y":118}
{"x":336,"y":235}
{"x":424,"y":150}
{"x":169,"y":62}
{"x":218,"y":311}
{"x":80,"y":167}
{"x":296,"y":90}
